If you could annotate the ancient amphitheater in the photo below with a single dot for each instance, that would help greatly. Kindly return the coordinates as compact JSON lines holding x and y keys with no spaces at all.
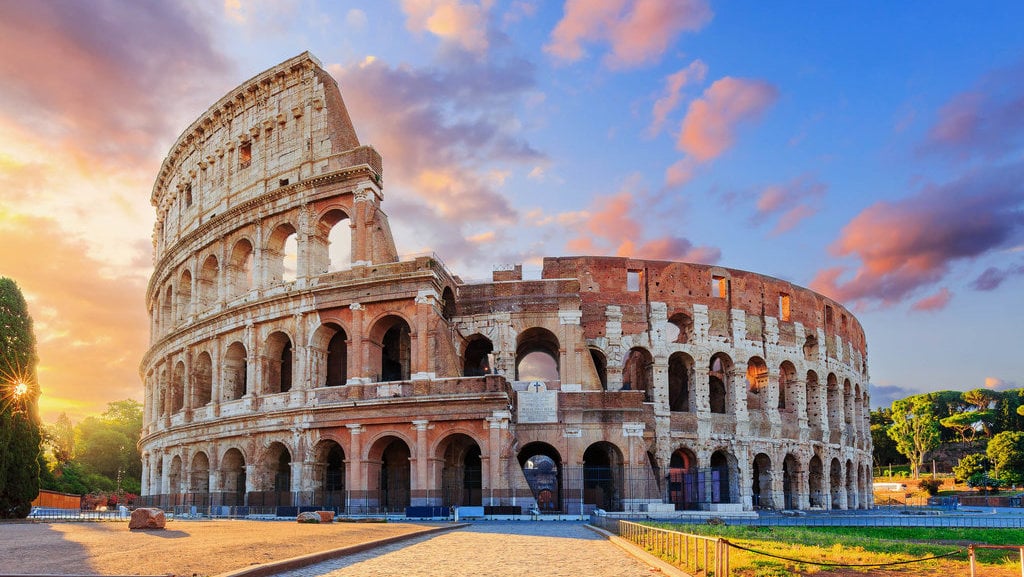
{"x":297,"y":359}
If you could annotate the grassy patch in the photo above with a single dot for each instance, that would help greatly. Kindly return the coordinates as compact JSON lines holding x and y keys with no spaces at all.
{"x":852,"y":546}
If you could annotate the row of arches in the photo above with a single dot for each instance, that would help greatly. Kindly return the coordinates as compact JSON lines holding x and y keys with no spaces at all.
{"x":283,"y":256}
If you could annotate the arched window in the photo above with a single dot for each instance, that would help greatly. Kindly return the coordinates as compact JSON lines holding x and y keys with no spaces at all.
{"x":207,"y":284}
{"x":235,"y":372}
{"x":184,"y":295}
{"x":396,"y":348}
{"x":199,"y":475}
{"x":537,"y":355}
{"x":757,"y":383}
{"x":680,"y":370}
{"x":331,"y":247}
{"x":282,"y":254}
{"x":232,"y":478}
{"x":788,"y":393}
{"x":477,"y":361}
{"x":279,"y":363}
{"x":202,"y":385}
{"x":718,"y":382}
{"x":680,"y":327}
{"x":638,"y":372}
{"x":178,"y":388}
{"x":240,"y":268}
{"x":600,"y":367}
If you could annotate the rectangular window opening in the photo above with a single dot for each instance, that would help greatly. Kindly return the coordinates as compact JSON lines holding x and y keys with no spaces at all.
{"x":633,"y":280}
{"x":784,"y":307}
{"x":188,"y":195}
{"x":719,"y":287}
{"x":282,"y":182}
{"x":245,"y":155}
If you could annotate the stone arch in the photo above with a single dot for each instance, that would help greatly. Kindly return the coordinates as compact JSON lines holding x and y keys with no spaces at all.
{"x":167,"y":308}
{"x":178,"y":387}
{"x":791,"y":471}
{"x":848,"y":400}
{"x":761,"y":482}
{"x":207,"y":282}
{"x":281,"y":254}
{"x":235,"y":374}
{"x":851,"y":485}
{"x":757,"y":383}
{"x":447,"y":304}
{"x":461,"y":471}
{"x":279,"y":355}
{"x":638,"y":372}
{"x":814,"y":409}
{"x":389,"y":473}
{"x":719,"y":383}
{"x":685,"y":484}
{"x":542,"y":467}
{"x":600,"y":361}
{"x":329,"y":345}
{"x":184,"y":297}
{"x":680,"y":375}
{"x":240,"y":268}
{"x":835,"y":480}
{"x":816,"y":482}
{"x":681,"y":328}
{"x":811,"y":349}
{"x":477,"y":356}
{"x":725,"y":477}
{"x":232,"y":477}
{"x":603,"y":473}
{"x":330,"y":462}
{"x":835,"y":403}
{"x":394,"y":336}
{"x":537,"y":355}
{"x":788,"y":393}
{"x":331,"y":247}
{"x":202,"y":380}
{"x":174,"y":477}
{"x":199,"y":475}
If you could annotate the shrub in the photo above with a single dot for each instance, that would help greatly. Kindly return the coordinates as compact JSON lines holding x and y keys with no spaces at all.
{"x":931,"y":486}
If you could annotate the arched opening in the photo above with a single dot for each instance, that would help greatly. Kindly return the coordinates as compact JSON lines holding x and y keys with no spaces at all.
{"x":389,"y":472}
{"x":811,"y":349}
{"x":724,"y":477}
{"x":331,"y":247}
{"x":167,"y":310}
{"x":328,"y":352}
{"x":680,"y":327}
{"x":638,"y":372}
{"x":814,"y":409}
{"x":835,"y":480}
{"x":848,"y":404}
{"x":174,"y":486}
{"x":476,"y":359}
{"x":279,"y":363}
{"x":788,"y":393}
{"x":757,"y":384}
{"x":718,"y":381}
{"x":835,"y":404}
{"x":537,"y":356}
{"x":685,"y":484}
{"x":791,"y":482}
{"x":461,"y":471}
{"x":395,"y":348}
{"x":184,"y":295}
{"x":240,"y":269}
{"x":164,"y":403}
{"x":199,"y":479}
{"x":603,"y":476}
{"x":202,"y":381}
{"x":761,"y":485}
{"x":232,"y":478}
{"x":282,"y":254}
{"x":331,"y":457}
{"x":600,"y":367}
{"x":680,"y":374}
{"x":542,"y":468}
{"x":178,"y":388}
{"x":816,"y":483}
{"x":235,"y":371}
{"x":207,"y":285}
{"x":337,"y":359}
{"x":447,"y":304}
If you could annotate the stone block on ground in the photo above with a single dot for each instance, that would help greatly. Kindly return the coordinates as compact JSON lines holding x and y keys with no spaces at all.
{"x":147,"y":518}
{"x":326,"y":516}
{"x":308,"y":517}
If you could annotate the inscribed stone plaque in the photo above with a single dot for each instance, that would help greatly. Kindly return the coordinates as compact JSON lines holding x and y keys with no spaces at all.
{"x":536,"y":405}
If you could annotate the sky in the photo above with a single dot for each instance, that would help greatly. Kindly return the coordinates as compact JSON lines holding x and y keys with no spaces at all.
{"x":872,"y":151}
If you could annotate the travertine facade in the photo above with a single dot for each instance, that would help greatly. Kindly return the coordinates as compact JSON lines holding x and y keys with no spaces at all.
{"x":296,"y":359}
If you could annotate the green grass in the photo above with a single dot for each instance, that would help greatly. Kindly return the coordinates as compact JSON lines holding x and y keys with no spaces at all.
{"x":851,"y":545}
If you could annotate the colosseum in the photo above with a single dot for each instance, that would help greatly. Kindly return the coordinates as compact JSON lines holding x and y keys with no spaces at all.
{"x":297,"y":360}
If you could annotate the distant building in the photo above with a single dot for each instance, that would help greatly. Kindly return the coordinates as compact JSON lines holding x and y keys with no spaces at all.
{"x":297,"y":359}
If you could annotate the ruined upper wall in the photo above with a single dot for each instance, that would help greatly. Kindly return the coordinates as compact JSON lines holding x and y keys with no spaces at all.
{"x":282,"y":126}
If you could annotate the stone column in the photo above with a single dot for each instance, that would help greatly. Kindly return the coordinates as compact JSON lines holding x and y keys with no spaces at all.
{"x":421,"y":365}
{"x":496,"y":423}
{"x":420,"y":482}
{"x":354,"y":463}
{"x":357,"y":354}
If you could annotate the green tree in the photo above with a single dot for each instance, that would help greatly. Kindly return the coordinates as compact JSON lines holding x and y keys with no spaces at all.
{"x":108,"y":445}
{"x":60,"y":438}
{"x":19,"y":419}
{"x":883,"y":447}
{"x":1006,"y":453}
{"x":970,"y":465}
{"x":967,"y":423}
{"x":914,"y":428}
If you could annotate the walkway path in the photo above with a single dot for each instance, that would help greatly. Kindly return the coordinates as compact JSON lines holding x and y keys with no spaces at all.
{"x":498,"y":548}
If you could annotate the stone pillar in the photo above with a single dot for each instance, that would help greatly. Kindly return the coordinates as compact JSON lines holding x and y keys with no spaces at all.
{"x":358,"y":356}
{"x":616,"y":357}
{"x":354,"y":463}
{"x":420,"y":480}
{"x":421,"y":365}
{"x":496,"y":423}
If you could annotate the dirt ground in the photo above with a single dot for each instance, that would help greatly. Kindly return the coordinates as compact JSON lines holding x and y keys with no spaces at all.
{"x":184,"y":548}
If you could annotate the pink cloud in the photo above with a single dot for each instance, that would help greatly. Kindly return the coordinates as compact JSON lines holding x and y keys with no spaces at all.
{"x":992,"y":277}
{"x":460,"y":23}
{"x":987,"y":120}
{"x":638,"y":31}
{"x":791,"y":202}
{"x":674,"y":84}
{"x":908,"y":245}
{"x":711,"y":121}
{"x":935,"y":302}
{"x":66,"y":78}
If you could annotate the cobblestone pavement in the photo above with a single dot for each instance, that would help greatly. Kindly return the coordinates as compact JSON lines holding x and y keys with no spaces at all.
{"x":537,"y":549}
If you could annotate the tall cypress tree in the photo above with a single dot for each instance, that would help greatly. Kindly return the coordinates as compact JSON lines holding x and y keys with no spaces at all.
{"x":19,"y":417}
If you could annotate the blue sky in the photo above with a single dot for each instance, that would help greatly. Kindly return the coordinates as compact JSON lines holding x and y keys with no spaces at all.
{"x":871,"y":151}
